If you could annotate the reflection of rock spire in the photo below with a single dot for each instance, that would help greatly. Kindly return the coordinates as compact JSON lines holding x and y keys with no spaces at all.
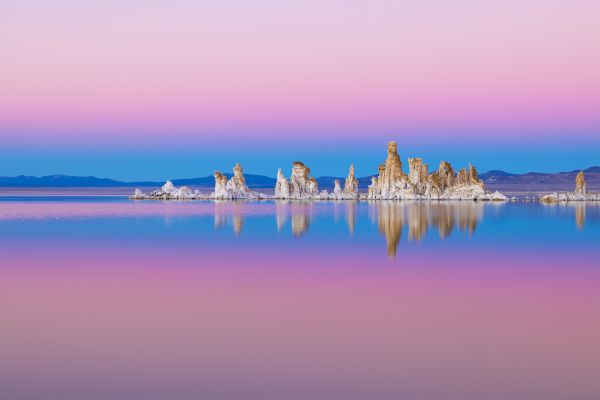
{"x":281,"y":214}
{"x":390,"y":222}
{"x":300,"y":217}
{"x":419,"y":216}
{"x":442,"y":216}
{"x":580,"y":215}
{"x":225,"y":212}
{"x":417,"y":220}
{"x":238,"y":224}
{"x":350,"y":216}
{"x":468,"y":216}
{"x":220,"y":217}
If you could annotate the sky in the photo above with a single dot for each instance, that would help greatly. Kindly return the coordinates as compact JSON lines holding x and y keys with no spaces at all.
{"x":150,"y":89}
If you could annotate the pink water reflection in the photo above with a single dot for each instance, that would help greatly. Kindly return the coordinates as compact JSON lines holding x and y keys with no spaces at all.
{"x":256,"y":324}
{"x":74,"y":209}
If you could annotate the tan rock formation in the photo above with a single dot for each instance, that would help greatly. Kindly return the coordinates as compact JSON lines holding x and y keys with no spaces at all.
{"x":417,"y":171}
{"x":446,"y":173}
{"x":220,"y":185}
{"x":300,"y":185}
{"x":390,"y":174}
{"x":443,"y":184}
{"x":580,"y":186}
{"x":474,"y":177}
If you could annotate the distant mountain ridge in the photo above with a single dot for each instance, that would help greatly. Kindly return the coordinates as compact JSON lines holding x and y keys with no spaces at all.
{"x":539,"y":181}
{"x":92,"y":181}
{"x":494,"y":180}
{"x":503,"y":174}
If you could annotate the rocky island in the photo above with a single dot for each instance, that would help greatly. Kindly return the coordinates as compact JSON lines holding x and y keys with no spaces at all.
{"x":233,"y":189}
{"x":580,"y":193}
{"x":302,"y":186}
{"x":391,"y":184}
{"x":443,"y":184}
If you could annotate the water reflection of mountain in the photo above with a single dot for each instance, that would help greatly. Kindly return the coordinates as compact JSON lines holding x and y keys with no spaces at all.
{"x":392,"y":216}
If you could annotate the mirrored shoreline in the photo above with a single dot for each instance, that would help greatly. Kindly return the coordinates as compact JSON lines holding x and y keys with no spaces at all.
{"x":395,"y":221}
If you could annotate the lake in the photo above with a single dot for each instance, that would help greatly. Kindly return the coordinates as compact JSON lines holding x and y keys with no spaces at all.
{"x":106,"y":298}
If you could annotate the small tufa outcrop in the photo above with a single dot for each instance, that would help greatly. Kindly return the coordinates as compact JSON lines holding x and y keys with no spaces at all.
{"x":350,"y":191}
{"x":167,"y":192}
{"x":580,"y":193}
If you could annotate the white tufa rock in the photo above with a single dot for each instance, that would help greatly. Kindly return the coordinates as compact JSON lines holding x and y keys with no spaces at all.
{"x":302,"y":186}
{"x":351,"y":185}
{"x":282,"y":187}
{"x":232,"y":189}
{"x":167,"y":192}
{"x":337,"y":189}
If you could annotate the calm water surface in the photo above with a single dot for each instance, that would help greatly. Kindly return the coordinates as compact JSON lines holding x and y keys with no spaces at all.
{"x":105,"y":298}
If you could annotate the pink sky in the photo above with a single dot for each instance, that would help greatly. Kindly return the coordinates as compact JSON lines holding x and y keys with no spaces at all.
{"x":76,"y":70}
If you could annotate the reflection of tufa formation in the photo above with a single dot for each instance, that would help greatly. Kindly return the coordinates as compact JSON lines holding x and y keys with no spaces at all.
{"x":580,"y":193}
{"x":392,"y":216}
{"x":391,"y":184}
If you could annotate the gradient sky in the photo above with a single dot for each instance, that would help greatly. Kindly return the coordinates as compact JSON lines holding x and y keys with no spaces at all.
{"x":166,"y":89}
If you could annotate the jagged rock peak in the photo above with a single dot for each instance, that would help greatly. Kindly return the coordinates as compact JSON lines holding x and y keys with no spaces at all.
{"x":391,"y":171}
{"x":238,"y":174}
{"x":351,"y":183}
